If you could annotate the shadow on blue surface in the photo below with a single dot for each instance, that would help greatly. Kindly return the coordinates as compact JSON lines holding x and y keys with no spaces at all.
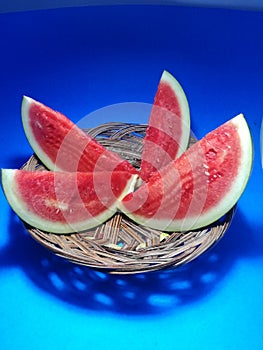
{"x":140,"y":294}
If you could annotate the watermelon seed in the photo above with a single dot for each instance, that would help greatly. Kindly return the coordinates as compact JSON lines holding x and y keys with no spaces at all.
{"x":211,"y":153}
{"x":214,"y":175}
{"x":38,"y":125}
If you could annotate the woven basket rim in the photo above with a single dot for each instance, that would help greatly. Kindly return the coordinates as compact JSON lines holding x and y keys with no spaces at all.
{"x":121,"y":246}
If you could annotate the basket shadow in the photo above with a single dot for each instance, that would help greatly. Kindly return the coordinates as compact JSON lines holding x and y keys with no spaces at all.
{"x":140,"y":294}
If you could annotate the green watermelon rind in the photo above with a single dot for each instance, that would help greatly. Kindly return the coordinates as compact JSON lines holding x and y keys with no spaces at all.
{"x":223,"y":206}
{"x":19,"y":207}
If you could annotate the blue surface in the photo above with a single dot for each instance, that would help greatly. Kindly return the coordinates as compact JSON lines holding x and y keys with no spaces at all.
{"x":78,"y":60}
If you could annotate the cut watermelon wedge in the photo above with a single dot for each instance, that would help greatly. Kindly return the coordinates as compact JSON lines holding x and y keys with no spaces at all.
{"x":168,"y":132}
{"x":63,"y":146}
{"x":62,"y":202}
{"x":200,"y":186}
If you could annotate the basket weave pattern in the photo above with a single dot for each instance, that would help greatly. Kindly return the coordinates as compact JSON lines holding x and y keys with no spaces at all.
{"x":120,"y":245}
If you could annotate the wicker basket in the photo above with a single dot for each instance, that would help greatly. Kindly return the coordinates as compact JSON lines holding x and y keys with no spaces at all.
{"x":120,"y":245}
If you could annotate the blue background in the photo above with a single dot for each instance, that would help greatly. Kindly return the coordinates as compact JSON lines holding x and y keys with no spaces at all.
{"x":77,"y":60}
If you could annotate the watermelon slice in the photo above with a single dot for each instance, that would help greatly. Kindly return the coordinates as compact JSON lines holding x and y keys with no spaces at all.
{"x":168,"y":132}
{"x":64,"y":202}
{"x":62,"y":146}
{"x":200,"y":186}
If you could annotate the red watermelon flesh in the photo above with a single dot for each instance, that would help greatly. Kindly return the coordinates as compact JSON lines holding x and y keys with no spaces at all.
{"x":62,"y":145}
{"x":168,"y":131}
{"x":62,"y":202}
{"x":200,"y":186}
